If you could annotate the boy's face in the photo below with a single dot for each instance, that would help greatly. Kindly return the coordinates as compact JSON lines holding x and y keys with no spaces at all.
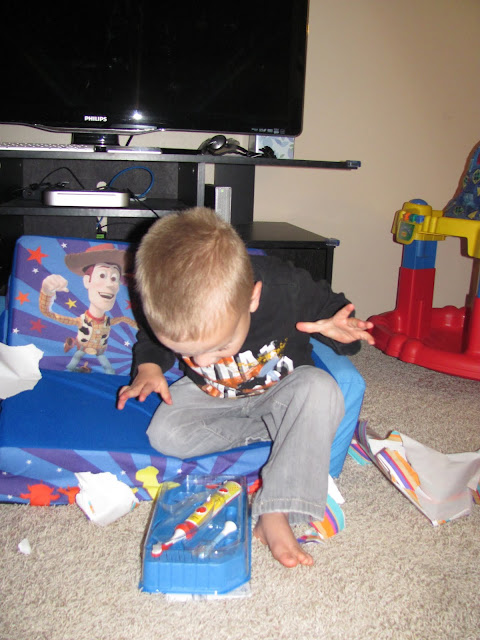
{"x":226,"y":342}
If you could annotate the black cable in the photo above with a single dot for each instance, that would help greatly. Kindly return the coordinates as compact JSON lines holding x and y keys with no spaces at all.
{"x":59,"y":169}
{"x":140,"y":202}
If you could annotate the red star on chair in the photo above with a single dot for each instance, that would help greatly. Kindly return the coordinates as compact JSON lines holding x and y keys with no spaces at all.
{"x":22,"y":297}
{"x":36,"y":325}
{"x":37,"y":255}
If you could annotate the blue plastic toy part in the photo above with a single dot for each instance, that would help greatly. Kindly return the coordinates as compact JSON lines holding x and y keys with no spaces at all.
{"x":420,"y":254}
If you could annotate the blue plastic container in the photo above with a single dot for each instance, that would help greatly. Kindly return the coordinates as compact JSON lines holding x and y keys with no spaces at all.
{"x":209,"y":522}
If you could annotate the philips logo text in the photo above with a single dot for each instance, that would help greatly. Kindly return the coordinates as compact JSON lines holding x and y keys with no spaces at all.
{"x":95,"y":118}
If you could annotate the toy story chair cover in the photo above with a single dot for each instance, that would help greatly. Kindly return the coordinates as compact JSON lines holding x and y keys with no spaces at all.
{"x":70,"y":299}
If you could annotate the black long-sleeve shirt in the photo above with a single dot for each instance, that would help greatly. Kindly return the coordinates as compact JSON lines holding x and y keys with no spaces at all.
{"x":273,"y":346}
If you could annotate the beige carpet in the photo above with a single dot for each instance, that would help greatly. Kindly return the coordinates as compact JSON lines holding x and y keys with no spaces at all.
{"x":388,"y":575}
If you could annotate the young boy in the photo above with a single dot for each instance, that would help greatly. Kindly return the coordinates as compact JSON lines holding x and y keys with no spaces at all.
{"x":240,"y":325}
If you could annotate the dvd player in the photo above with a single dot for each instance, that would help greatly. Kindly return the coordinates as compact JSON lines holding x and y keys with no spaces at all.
{"x":100,"y":198}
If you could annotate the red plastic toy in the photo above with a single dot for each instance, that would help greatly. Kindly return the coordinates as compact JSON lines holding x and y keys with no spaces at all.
{"x":446,"y":339}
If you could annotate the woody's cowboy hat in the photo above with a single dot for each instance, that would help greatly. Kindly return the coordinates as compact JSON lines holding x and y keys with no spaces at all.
{"x":101,"y":253}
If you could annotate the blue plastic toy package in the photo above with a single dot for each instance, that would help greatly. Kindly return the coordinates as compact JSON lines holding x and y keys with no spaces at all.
{"x":198,"y":542}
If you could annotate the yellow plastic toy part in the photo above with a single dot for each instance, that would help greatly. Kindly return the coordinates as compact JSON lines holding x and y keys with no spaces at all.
{"x":421,"y":222}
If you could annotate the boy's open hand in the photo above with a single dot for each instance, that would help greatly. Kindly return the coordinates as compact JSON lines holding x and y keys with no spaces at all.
{"x":341,"y":327}
{"x":149,"y":379}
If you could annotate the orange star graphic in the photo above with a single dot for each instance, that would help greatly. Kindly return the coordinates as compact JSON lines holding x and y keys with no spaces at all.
{"x":37,"y":255}
{"x":22,"y":297}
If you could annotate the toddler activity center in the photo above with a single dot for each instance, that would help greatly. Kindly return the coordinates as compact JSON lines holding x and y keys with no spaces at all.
{"x":443,"y":339}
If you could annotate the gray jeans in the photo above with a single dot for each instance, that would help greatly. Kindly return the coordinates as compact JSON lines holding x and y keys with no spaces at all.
{"x":300,"y":415}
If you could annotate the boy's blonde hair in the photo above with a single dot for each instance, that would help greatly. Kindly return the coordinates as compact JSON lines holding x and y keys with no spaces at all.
{"x":192,"y":269}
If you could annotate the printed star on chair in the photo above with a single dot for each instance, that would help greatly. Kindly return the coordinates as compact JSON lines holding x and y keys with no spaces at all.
{"x":36,"y":325}
{"x":36,"y":255}
{"x":22,"y":297}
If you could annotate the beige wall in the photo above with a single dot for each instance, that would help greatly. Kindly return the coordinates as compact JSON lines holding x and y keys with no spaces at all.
{"x":393,"y":83}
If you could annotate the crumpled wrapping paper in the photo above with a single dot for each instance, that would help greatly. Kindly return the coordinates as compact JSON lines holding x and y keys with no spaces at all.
{"x":442,"y":486}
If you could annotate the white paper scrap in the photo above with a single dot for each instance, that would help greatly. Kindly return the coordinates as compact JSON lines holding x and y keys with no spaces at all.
{"x":19,"y":369}
{"x":25,"y":547}
{"x":103,"y":498}
{"x":334,"y":491}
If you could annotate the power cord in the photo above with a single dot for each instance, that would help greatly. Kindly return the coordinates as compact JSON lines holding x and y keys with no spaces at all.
{"x":42,"y":181}
{"x":142,"y":203}
{"x":34,"y":191}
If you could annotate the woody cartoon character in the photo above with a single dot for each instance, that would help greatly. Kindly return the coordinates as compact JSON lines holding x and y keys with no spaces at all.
{"x":101,"y":267}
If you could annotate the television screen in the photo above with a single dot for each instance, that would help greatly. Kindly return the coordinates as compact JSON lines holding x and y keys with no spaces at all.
{"x":136,"y":65}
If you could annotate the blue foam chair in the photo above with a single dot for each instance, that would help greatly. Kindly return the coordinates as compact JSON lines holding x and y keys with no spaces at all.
{"x":69,"y":422}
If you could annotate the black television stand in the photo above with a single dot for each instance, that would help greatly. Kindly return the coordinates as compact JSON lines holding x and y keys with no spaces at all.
{"x":180,"y":181}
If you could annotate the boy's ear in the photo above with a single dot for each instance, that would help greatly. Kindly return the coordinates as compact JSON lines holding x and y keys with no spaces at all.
{"x":256,"y":294}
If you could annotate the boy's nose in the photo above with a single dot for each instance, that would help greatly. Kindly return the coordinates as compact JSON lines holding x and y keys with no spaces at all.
{"x":205,"y":360}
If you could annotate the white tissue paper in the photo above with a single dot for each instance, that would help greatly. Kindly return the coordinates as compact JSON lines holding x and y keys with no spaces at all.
{"x":18,"y":369}
{"x":103,"y":498}
{"x":25,"y":547}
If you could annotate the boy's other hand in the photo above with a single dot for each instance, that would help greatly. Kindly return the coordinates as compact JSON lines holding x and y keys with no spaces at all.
{"x":341,"y":327}
{"x":149,"y":379}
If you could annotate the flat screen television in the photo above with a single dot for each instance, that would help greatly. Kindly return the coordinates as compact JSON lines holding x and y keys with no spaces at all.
{"x":133,"y":66}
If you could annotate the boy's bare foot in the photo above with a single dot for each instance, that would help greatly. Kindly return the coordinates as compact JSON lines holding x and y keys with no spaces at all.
{"x":273,"y":529}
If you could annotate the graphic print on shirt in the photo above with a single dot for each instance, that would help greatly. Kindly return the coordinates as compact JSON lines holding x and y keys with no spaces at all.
{"x":245,"y":374}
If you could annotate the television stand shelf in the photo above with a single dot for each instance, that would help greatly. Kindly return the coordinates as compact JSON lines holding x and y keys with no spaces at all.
{"x":293,"y":244}
{"x":174,"y":181}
